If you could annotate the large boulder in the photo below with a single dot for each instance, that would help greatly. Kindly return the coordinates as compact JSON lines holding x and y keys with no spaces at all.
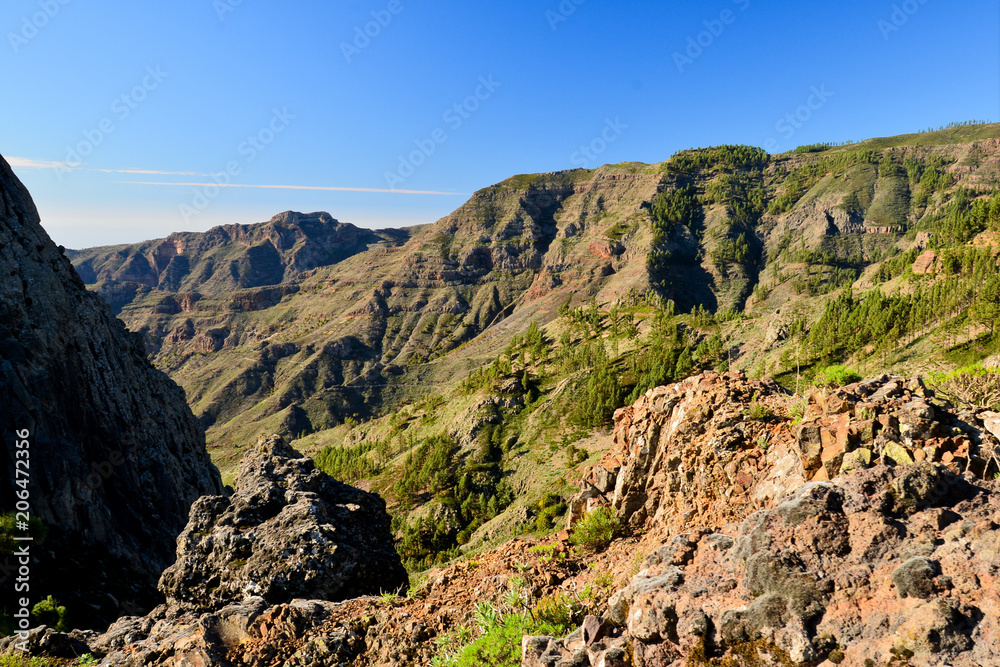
{"x":116,"y":457}
{"x":288,"y":531}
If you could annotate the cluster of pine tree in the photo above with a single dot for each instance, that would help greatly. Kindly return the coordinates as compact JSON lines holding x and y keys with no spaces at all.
{"x":729,"y":158}
{"x":466,"y":494}
{"x":349,"y":464}
{"x":968,"y":288}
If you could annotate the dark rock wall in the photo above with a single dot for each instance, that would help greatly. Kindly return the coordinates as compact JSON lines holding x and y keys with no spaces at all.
{"x":117,"y":458}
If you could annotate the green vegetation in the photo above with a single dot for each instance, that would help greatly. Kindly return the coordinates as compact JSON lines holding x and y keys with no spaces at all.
{"x":595,"y":530}
{"x":972,"y":386}
{"x":726,"y":159}
{"x":549,"y":507}
{"x":8,"y":530}
{"x":813,"y":148}
{"x":18,"y":659}
{"x":349,"y":464}
{"x":880,"y":322}
{"x":673,"y":207}
{"x":836,"y":376}
{"x":466,"y":495}
{"x":758,"y":411}
{"x":495,"y":639}
{"x":51,"y":613}
{"x":963,"y":218}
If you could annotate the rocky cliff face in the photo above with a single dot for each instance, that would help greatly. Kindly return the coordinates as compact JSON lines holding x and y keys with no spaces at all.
{"x":888,"y":557}
{"x":117,"y":458}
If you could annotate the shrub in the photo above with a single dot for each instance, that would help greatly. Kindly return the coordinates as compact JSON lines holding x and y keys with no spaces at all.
{"x":596,"y":530}
{"x":973,"y":386}
{"x":547,"y":516}
{"x":20,"y":660}
{"x":51,"y":613}
{"x":8,"y":530}
{"x":758,"y":411}
{"x":836,"y":376}
{"x":499,"y":643}
{"x":558,"y":610}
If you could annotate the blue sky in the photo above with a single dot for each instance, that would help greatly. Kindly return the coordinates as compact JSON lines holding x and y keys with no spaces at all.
{"x":296,"y":95}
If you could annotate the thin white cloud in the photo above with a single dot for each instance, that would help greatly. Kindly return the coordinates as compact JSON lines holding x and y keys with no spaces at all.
{"x":150,"y":172}
{"x":31,"y":163}
{"x":293,"y":187}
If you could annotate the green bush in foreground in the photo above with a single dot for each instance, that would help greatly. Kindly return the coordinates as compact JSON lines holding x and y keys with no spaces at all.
{"x":973,"y":386}
{"x":21,"y":660}
{"x":51,"y":613}
{"x":499,"y":640}
{"x":596,"y":530}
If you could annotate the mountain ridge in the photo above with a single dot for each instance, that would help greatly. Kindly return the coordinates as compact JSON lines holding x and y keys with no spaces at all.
{"x":514,"y":326}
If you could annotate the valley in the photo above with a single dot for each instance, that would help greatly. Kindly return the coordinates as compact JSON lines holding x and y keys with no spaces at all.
{"x":491,"y":348}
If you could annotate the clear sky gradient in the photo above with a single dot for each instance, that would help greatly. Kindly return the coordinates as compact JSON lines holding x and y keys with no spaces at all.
{"x":117,"y":113}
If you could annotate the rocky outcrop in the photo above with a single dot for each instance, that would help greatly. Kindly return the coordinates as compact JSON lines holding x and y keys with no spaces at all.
{"x":714,"y":448}
{"x":258,"y":576}
{"x":288,"y":531}
{"x":925,"y":263}
{"x":888,"y":554}
{"x":116,"y":457}
{"x":709,"y":449}
{"x":896,"y":565}
{"x":894,"y":420}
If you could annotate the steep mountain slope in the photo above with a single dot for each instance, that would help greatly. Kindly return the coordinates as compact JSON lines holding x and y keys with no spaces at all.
{"x":114,"y":456}
{"x":469,"y":368}
{"x":353,"y":336}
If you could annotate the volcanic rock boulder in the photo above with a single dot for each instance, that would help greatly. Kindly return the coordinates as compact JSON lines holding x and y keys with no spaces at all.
{"x":707,"y":450}
{"x":116,"y":457}
{"x":288,"y":531}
